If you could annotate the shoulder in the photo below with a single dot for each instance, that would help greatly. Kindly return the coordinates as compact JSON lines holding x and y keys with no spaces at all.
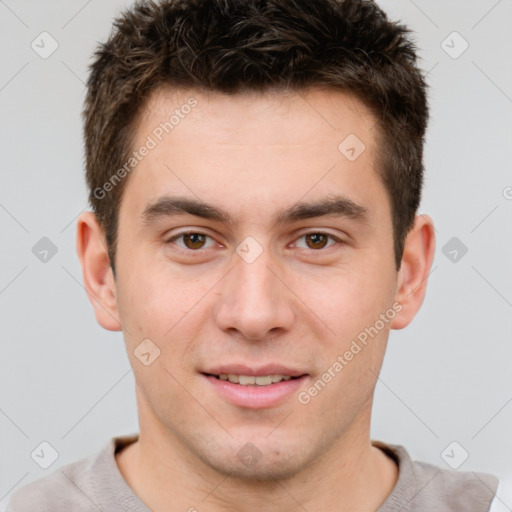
{"x":67,"y":488}
{"x":425,"y":487}
{"x":462,"y":490}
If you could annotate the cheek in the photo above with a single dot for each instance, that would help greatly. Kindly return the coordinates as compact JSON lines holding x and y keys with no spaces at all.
{"x":155,"y":301}
{"x":159,"y":318}
{"x":352,"y":300}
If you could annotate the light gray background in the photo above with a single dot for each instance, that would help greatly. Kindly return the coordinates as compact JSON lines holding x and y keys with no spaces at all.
{"x":446,"y":378}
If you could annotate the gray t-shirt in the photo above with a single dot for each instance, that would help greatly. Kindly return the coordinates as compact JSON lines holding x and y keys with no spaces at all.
{"x":96,"y":484}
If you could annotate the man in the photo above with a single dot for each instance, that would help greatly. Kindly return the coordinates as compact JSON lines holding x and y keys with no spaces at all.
{"x":255,"y":171}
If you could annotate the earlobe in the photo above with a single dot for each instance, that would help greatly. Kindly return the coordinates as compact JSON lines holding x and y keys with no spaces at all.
{"x":96,"y":271}
{"x":413,"y":274}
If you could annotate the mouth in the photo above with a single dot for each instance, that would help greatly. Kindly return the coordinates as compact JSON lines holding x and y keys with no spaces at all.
{"x":252,"y":380}
{"x":248,"y":388}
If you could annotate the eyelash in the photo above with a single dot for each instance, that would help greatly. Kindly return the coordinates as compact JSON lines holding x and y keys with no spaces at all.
{"x":176,"y":237}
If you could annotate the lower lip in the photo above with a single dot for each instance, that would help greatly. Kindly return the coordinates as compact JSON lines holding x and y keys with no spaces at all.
{"x":256,"y":397}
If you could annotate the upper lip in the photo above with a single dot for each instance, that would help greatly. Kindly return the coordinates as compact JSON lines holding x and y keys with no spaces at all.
{"x":255,"y":371}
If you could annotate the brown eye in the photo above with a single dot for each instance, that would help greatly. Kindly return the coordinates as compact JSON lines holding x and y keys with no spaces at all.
{"x":194,"y":240}
{"x":316,"y":240}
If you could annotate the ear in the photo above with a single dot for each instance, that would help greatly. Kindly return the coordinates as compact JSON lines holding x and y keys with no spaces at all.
{"x":414,"y":271}
{"x":96,"y":271}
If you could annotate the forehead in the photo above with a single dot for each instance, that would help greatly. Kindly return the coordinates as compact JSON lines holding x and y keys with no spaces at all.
{"x":255,"y":147}
{"x":267,"y":118}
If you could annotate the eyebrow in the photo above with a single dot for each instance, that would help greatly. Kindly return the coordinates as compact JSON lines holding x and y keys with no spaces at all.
{"x":340,"y":206}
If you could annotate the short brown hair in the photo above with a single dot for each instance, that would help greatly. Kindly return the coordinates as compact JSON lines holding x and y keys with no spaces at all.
{"x":232,"y":46}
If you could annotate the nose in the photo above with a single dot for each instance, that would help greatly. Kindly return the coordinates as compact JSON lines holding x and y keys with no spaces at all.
{"x":255,"y":303}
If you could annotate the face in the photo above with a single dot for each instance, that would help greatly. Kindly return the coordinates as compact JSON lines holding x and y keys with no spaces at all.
{"x":253,"y":247}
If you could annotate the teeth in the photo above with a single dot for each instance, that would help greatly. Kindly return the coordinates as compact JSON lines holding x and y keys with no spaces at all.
{"x":250,"y":380}
{"x":263,"y":380}
{"x":246,"y":380}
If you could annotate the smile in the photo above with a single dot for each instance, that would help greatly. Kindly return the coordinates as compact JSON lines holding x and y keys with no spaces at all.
{"x":251,"y":380}
{"x":255,"y":391}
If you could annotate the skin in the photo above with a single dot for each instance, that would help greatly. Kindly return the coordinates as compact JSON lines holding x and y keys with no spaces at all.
{"x":299,"y":304}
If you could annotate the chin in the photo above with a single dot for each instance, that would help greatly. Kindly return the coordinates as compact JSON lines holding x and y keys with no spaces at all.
{"x":260,"y":460}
